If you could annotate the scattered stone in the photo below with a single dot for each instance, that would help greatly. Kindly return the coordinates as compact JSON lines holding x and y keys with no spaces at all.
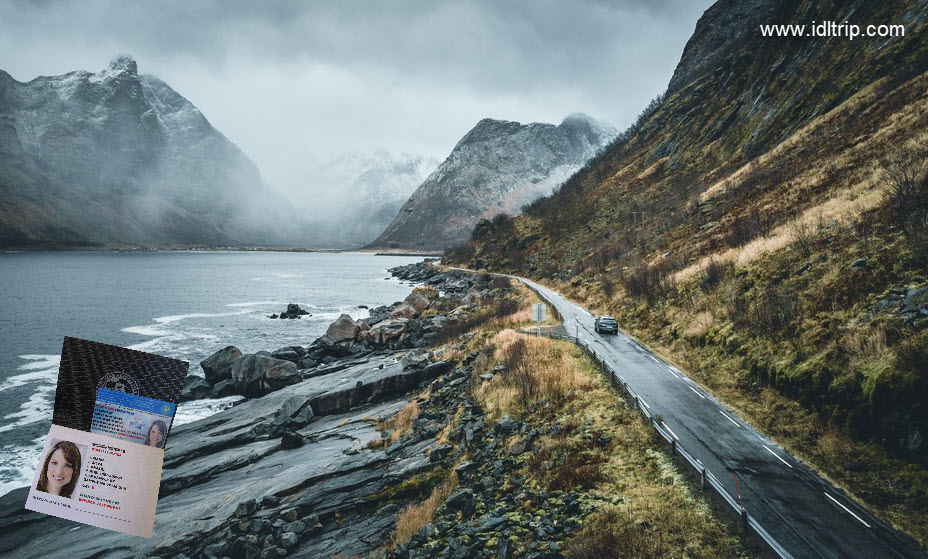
{"x":270,"y":501}
{"x":462,"y":501}
{"x":291,"y":440}
{"x":439,"y":452}
{"x":289,"y":540}
{"x":246,"y":507}
{"x":860,"y":263}
{"x":519,"y":446}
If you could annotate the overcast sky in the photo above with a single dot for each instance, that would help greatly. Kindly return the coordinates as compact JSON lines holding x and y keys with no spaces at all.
{"x":294,"y":81}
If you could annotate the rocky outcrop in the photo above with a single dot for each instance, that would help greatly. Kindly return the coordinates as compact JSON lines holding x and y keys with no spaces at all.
{"x":218,"y":366}
{"x":284,"y":472}
{"x":497,"y":167}
{"x":293,"y":311}
{"x":257,"y":375}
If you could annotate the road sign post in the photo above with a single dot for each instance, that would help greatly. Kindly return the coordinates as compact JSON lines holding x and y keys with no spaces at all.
{"x":539,"y":313}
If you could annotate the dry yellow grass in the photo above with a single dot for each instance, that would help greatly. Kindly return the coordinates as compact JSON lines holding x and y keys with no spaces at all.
{"x":402,"y":421}
{"x":858,"y":164}
{"x":845,"y":205}
{"x":536,"y":369}
{"x":658,"y":515}
{"x":417,"y":515}
{"x":700,"y":325}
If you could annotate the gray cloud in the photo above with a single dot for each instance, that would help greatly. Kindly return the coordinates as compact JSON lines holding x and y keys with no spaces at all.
{"x":294,"y":81}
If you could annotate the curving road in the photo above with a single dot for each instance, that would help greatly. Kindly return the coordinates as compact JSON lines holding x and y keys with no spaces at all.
{"x":806,"y":515}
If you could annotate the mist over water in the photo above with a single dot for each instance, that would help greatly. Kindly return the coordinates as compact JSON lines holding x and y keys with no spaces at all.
{"x":184,"y":305}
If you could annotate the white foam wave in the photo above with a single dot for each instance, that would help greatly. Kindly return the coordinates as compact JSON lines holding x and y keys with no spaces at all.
{"x":44,"y":369}
{"x":254,"y":304}
{"x":18,"y":464}
{"x":37,"y":408}
{"x":40,"y":362}
{"x":188,"y":412}
{"x":179,"y":317}
{"x":150,"y":330}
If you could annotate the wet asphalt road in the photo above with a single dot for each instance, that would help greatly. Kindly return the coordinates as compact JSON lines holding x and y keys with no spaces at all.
{"x":806,"y":515}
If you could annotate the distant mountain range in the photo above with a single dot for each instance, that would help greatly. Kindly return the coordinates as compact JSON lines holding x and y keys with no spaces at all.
{"x":497,"y":167}
{"x":118,"y":158}
{"x":360,"y":194}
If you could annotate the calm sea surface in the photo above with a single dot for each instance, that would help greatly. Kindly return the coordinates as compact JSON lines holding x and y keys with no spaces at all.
{"x":184,"y":305}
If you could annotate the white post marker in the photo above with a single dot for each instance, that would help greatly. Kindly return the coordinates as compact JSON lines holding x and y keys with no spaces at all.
{"x":539,"y":313}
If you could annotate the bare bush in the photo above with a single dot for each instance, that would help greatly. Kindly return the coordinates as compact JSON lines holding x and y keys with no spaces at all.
{"x":804,"y":234}
{"x":776,"y":311}
{"x":713,"y":274}
{"x":648,"y":282}
{"x":906,"y":171}
{"x":748,"y":228}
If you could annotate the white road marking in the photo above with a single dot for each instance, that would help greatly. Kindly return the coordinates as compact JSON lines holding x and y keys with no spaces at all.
{"x":696,"y":393}
{"x":778,"y":456}
{"x":669,"y":430}
{"x":848,"y":510}
{"x":653,"y":359}
{"x":643,"y":402}
{"x":700,"y":463}
{"x":729,"y":419}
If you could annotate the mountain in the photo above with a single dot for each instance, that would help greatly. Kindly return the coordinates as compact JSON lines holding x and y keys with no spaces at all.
{"x":356,"y":195}
{"x":765,"y":225}
{"x":117,"y":158}
{"x":497,"y":167}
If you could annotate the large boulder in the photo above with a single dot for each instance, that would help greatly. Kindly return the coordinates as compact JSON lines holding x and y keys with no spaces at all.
{"x":256,"y":375}
{"x":388,"y":331}
{"x":343,"y":330}
{"x":218,"y":366}
{"x":195,"y":388}
{"x":418,"y":300}
{"x":290,"y":353}
{"x":404,"y":311}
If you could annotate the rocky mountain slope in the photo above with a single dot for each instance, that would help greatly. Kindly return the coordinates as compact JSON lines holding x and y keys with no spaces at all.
{"x":496,"y":168}
{"x":359,"y":195}
{"x":121,"y":158}
{"x":763,"y":224}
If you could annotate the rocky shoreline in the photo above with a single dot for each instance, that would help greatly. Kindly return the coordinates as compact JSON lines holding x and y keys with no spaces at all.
{"x":305,"y":466}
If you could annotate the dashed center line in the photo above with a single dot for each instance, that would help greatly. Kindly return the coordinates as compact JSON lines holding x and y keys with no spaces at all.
{"x":696,"y":392}
{"x":669,"y":430}
{"x":849,"y":511}
{"x":729,"y":418}
{"x":778,"y":456}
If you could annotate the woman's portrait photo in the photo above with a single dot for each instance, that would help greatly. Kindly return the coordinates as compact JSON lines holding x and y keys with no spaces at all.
{"x":156,"y":434}
{"x":61,"y":470}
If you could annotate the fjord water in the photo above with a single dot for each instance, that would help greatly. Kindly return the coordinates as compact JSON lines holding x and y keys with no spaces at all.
{"x":184,"y":305}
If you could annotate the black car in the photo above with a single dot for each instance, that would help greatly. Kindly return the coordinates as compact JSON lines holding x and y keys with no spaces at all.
{"x":606,"y":324}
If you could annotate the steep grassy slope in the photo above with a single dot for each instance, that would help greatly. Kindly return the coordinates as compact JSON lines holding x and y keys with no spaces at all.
{"x":766,"y":226}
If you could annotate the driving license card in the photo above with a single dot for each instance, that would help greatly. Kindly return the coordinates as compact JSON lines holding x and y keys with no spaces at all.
{"x":132,"y":418}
